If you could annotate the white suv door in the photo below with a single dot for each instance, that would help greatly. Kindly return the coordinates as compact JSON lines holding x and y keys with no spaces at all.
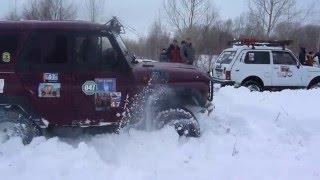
{"x":254,"y":63}
{"x":286,"y":72}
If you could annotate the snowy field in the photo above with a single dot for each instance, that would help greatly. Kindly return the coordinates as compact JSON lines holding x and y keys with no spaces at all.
{"x":249,"y":136}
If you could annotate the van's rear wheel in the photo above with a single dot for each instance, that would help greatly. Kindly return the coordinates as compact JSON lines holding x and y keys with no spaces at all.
{"x":253,"y":86}
{"x":184,"y":122}
{"x":22,"y":128}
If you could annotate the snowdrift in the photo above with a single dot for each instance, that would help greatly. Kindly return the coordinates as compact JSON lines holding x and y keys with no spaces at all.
{"x":248,"y":136}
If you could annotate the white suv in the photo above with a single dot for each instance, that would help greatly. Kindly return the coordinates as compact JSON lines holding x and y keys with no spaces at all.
{"x":263,"y":66}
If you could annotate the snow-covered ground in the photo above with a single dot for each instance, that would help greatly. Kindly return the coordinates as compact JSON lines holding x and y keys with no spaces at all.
{"x":249,"y":136}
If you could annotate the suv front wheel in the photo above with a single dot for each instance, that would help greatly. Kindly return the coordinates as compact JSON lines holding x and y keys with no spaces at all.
{"x":253,"y":86}
{"x":184,"y":122}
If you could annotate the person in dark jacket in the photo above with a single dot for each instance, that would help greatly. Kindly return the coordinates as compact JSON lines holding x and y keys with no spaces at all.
{"x":174,"y":52}
{"x":188,"y":52}
{"x":164,"y":56}
{"x":302,"y":55}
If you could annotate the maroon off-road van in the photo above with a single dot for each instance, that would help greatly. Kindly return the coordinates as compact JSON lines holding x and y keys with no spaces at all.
{"x":76,"y":74}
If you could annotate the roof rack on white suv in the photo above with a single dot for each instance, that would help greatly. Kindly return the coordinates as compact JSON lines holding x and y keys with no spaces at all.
{"x":267,"y":43}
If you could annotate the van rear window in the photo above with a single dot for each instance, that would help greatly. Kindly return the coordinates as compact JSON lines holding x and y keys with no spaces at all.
{"x":8,"y":47}
{"x":226,"y":57}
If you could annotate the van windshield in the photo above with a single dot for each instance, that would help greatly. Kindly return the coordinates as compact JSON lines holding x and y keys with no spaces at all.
{"x":226,"y":57}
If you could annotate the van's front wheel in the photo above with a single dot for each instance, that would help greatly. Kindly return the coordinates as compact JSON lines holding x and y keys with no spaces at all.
{"x":22,"y":128}
{"x":184,"y":122}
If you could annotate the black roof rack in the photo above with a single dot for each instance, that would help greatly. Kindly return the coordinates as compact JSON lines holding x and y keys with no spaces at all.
{"x":254,"y":43}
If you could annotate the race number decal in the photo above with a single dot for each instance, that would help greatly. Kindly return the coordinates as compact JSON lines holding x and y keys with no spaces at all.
{"x":89,"y":88}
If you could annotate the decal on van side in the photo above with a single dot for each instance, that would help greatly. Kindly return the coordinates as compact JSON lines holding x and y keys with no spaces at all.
{"x":106,"y":96}
{"x":105,"y":93}
{"x":49,"y":90}
{"x":1,"y":85}
{"x":50,"y":77}
{"x":6,"y":57}
{"x":285,"y":72}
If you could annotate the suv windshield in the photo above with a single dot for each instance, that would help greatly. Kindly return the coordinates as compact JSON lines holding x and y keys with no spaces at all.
{"x":226,"y":57}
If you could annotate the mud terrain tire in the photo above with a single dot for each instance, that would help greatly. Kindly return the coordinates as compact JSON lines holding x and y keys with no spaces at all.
{"x":181,"y":119}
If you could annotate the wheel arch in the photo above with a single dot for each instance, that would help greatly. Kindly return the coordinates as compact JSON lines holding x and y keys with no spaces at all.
{"x":314,"y":80}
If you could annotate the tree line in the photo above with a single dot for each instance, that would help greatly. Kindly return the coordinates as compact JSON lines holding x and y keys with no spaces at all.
{"x":197,"y":19}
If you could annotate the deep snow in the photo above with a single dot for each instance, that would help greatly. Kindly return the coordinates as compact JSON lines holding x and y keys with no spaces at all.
{"x":248,"y":136}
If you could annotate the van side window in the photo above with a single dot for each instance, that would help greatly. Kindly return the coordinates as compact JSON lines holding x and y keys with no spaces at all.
{"x":8,"y":47}
{"x":257,"y":57}
{"x":56,"y":51}
{"x":93,"y":50}
{"x":285,"y":58}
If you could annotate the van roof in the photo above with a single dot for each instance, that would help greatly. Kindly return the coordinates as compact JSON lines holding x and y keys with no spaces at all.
{"x":51,"y":25}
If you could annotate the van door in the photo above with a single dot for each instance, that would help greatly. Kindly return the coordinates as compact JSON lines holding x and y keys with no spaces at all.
{"x":286,"y":72}
{"x":101,"y":79}
{"x":254,"y":63}
{"x":45,"y":71}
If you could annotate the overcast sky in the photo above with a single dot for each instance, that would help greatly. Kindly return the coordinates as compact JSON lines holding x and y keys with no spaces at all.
{"x":139,"y":14}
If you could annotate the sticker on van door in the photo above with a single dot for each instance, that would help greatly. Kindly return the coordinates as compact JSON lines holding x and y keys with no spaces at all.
{"x":49,"y":90}
{"x":6,"y":57}
{"x":1,"y":86}
{"x":106,"y":95}
{"x":50,"y":77}
{"x":285,"y":72}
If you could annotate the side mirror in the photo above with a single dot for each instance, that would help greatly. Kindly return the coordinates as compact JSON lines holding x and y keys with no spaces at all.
{"x":133,"y":59}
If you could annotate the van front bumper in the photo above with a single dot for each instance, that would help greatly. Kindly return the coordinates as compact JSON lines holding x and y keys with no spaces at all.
{"x":223,"y":82}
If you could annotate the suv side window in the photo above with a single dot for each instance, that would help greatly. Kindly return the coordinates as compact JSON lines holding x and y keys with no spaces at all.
{"x":94,"y":51}
{"x":257,"y":57}
{"x":8,"y":47}
{"x":284,"y":58}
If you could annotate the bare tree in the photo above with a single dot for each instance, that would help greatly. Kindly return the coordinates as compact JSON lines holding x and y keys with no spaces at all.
{"x":13,"y":14}
{"x":49,"y":10}
{"x":184,"y":15}
{"x":271,"y":12}
{"x":95,"y":9}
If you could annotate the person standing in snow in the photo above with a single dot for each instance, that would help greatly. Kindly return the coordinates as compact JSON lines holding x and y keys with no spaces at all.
{"x":302,"y":55}
{"x":188,"y":52}
{"x":163,"y":56}
{"x":174,"y":52}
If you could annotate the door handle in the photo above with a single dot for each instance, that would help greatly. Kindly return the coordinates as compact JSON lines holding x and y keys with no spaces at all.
{"x":276,"y":68}
{"x":237,"y":70}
